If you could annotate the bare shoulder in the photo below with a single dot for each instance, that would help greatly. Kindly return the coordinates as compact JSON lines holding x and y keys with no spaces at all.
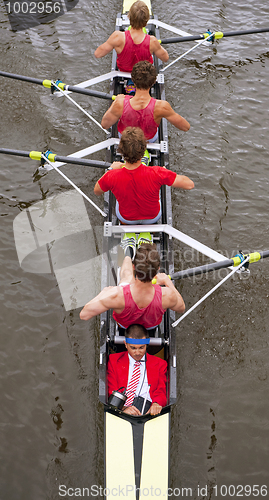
{"x":114,"y":292}
{"x":168,"y":297}
{"x":119,"y":99}
{"x":109,"y":293}
{"x":117,"y":36}
{"x":154,"y":41}
{"x":163,"y":106}
{"x":162,"y":109}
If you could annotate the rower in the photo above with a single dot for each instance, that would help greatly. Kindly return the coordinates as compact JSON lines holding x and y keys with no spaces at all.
{"x":134,"y":44}
{"x":143,"y":375}
{"x":142,"y":110}
{"x":137,"y":299}
{"x":136,"y":186}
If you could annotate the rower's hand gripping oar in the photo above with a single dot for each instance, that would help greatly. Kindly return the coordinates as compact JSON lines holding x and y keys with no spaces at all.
{"x":49,"y":157}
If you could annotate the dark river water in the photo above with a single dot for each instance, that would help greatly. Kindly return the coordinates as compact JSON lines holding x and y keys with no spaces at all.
{"x":50,"y":419}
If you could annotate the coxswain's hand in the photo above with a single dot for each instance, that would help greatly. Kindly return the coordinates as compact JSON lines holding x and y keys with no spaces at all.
{"x":155,"y":409}
{"x":132,"y":410}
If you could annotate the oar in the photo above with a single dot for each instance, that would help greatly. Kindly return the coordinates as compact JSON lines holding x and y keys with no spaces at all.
{"x":201,"y":42}
{"x":217,"y":35}
{"x":63,"y":86}
{"x":235,"y":261}
{"x":244,"y":262}
{"x":37,"y":155}
{"x":50,"y":157}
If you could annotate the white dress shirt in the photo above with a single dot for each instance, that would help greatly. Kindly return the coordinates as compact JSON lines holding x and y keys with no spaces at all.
{"x":140,"y":391}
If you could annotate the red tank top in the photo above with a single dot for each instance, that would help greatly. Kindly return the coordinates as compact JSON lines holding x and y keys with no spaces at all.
{"x":143,"y":118}
{"x":147,"y":316}
{"x":133,"y":53}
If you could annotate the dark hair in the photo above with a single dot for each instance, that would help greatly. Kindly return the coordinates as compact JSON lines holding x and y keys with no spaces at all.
{"x":144,"y":75}
{"x":146,"y":262}
{"x":138,"y":15}
{"x":136,"y":332}
{"x":132,"y":144}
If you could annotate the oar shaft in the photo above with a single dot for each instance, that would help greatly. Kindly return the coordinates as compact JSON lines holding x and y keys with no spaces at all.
{"x":36,"y":155}
{"x":253,"y":257}
{"x":192,"y":38}
{"x":194,"y":271}
{"x":22,"y":78}
{"x":94,"y":93}
{"x":179,"y":39}
{"x":245,"y":32}
{"x":48,"y":84}
{"x":74,"y":185}
{"x":209,"y":293}
{"x":81,"y":161}
{"x":15,"y":152}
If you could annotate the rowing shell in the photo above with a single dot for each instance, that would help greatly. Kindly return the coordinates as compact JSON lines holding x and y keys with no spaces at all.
{"x":137,"y":448}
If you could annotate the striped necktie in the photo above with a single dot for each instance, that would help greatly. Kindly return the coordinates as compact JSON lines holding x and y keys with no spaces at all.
{"x":132,"y":386}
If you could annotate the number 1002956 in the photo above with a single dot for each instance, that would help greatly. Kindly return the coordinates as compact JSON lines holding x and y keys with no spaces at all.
{"x":240,"y":490}
{"x":32,"y":7}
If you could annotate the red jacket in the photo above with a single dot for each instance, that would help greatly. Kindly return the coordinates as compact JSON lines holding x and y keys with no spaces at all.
{"x":118,"y":369}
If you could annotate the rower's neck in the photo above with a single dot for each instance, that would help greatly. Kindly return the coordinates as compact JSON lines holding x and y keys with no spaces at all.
{"x":142,"y":285}
{"x":141,"y":94}
{"x":135,"y":33}
{"x":132,"y":166}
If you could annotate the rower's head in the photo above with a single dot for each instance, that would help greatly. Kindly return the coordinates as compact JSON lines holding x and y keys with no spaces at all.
{"x":146,"y":262}
{"x":132,"y":144}
{"x":144,"y":75}
{"x":136,"y":340}
{"x":139,"y":15}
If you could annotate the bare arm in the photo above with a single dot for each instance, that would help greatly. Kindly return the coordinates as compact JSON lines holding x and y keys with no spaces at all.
{"x":115,"y":166}
{"x":112,"y":115}
{"x":171,"y":298}
{"x":164,"y":110}
{"x":115,"y":41}
{"x":97,"y":190}
{"x":108,"y":298}
{"x":158,"y":50}
{"x":183,"y":182}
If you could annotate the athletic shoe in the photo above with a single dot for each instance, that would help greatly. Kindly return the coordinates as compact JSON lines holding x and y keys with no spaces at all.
{"x":146,"y":158}
{"x":128,"y":243}
{"x":144,"y":238}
